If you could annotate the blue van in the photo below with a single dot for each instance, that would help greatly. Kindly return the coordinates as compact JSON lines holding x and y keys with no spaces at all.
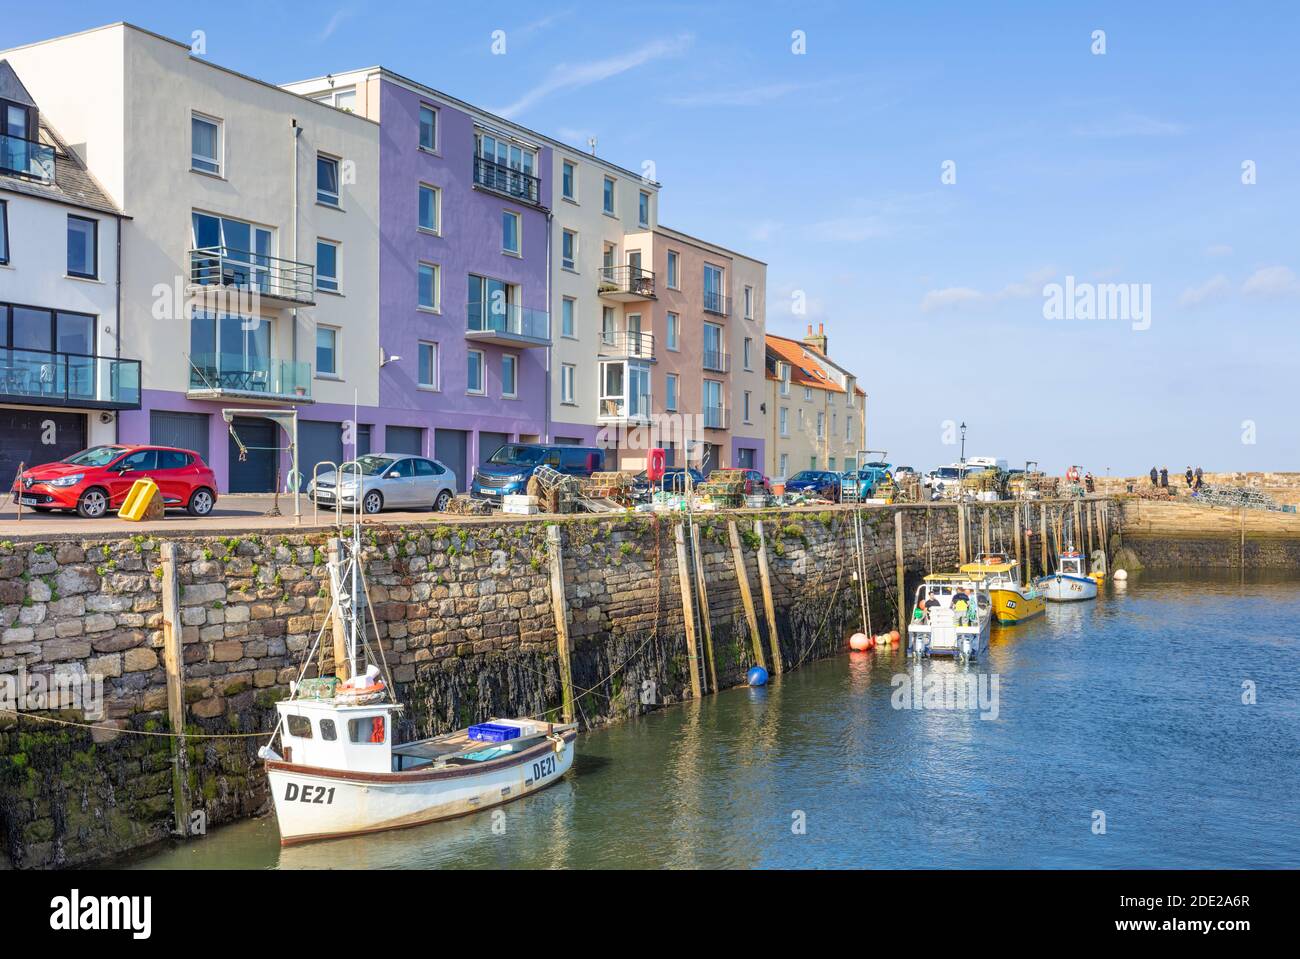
{"x":509,"y":469}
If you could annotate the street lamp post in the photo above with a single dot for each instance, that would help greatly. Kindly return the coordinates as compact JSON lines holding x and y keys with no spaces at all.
{"x":963,"y":442}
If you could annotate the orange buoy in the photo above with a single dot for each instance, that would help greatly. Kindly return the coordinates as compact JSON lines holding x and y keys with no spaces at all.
{"x":860,"y":642}
{"x":893,"y":636}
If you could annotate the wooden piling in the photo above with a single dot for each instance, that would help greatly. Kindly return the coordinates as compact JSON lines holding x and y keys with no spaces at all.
{"x":1015,"y":535}
{"x":174,"y":665}
{"x":1043,"y":530}
{"x":961,"y":534}
{"x":900,"y":574}
{"x":706,"y":618}
{"x":560,"y":606}
{"x":334,"y":553}
{"x":746,"y":597}
{"x":765,"y":580}
{"x":688,"y":609}
{"x":986,"y":536}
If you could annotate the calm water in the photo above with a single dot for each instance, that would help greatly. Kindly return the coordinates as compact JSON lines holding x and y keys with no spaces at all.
{"x":1131,"y":705}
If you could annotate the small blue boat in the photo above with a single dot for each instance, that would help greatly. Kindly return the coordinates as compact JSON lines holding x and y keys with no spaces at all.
{"x":1070,"y":582}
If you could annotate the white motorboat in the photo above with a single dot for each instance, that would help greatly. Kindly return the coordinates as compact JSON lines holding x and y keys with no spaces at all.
{"x":1070,"y":582}
{"x":952,"y":617}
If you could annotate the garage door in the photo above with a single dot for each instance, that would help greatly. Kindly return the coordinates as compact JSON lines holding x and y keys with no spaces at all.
{"x":189,"y":431}
{"x":319,"y":441}
{"x":256,"y":472}
{"x":489,"y":443}
{"x":451,"y":449}
{"x":404,"y":439}
{"x":32,"y":437}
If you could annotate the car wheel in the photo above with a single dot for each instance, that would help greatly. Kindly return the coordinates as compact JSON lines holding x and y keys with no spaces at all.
{"x":93,"y":503}
{"x":440,"y":504}
{"x":201,"y":502}
{"x":373,"y":502}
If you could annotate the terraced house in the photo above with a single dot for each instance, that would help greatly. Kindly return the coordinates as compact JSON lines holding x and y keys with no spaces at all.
{"x":250,"y":248}
{"x":820,"y":419}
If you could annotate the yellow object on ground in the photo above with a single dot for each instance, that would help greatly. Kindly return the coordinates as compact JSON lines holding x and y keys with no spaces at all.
{"x":143,"y":502}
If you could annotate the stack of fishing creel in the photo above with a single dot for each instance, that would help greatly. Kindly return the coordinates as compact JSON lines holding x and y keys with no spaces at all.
{"x":616,"y":486}
{"x":726,"y":488}
{"x":468,"y":506}
{"x":982,"y":482}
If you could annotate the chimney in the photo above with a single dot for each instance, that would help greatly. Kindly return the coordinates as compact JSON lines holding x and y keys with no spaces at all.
{"x":816,"y":341}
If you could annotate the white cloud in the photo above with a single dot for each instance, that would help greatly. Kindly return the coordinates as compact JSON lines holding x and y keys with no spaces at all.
{"x":333,"y":23}
{"x":958,"y":296}
{"x":1212,"y":288}
{"x":743,"y":96}
{"x":1272,"y":281}
{"x":570,"y":77}
{"x":1128,"y":125}
{"x":949,"y":297}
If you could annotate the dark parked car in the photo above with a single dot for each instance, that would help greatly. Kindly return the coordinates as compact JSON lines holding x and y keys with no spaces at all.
{"x":510,"y":468}
{"x":815,"y":482}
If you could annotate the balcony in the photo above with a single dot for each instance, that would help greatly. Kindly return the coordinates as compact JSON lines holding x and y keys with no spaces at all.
{"x":222,"y":270}
{"x":627,"y":344}
{"x":27,"y":159}
{"x":215,"y":376}
{"x":625,"y":284}
{"x":716,"y":418}
{"x":625,"y":409}
{"x":717,"y":361}
{"x":716,"y":303}
{"x":510,"y":325}
{"x":39,"y":378}
{"x":499,"y":178}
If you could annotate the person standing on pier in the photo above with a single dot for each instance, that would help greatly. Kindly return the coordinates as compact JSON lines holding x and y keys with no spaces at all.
{"x":1189,"y":477}
{"x":1155,"y":478}
{"x":1164,"y":477}
{"x":1200,"y":477}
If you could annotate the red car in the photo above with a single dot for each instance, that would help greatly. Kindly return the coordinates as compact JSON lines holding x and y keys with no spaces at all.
{"x":97,"y":480}
{"x":755,"y":481}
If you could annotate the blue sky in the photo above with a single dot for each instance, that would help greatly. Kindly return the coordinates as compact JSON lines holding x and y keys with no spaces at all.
{"x":1124,"y":167}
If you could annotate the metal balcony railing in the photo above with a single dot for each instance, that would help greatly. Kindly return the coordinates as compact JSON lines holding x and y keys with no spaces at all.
{"x":42,"y":378}
{"x":219,"y":374}
{"x":509,"y":318}
{"x":716,"y":417}
{"x":717,"y":361}
{"x":503,"y":179}
{"x":257,"y":273}
{"x":718,"y":303}
{"x":627,"y":343}
{"x":630,"y":280}
{"x":26,"y":158}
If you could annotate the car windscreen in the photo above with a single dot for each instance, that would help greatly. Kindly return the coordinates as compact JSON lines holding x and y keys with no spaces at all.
{"x":805,"y":477}
{"x":371,"y":465}
{"x":515,"y":455}
{"x":947,"y":472}
{"x":95,"y":456}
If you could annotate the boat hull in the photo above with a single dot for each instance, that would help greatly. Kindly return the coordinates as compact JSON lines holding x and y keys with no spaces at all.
{"x":314,"y":803}
{"x":1011,"y":606}
{"x":1062,"y":588}
{"x":944,"y":639}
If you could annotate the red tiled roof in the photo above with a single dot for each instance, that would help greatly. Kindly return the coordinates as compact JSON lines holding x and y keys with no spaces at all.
{"x":804,"y":369}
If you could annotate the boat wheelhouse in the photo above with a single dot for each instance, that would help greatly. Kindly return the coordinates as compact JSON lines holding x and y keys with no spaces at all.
{"x":951,"y":616}
{"x":1070,"y":582}
{"x":1013,"y":601}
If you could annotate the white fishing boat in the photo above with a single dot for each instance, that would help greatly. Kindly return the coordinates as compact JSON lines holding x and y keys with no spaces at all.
{"x":952,"y":617}
{"x":1070,"y":582}
{"x":339,"y":770}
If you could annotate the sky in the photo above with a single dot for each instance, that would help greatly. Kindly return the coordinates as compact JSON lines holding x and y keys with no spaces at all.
{"x":921,"y":178}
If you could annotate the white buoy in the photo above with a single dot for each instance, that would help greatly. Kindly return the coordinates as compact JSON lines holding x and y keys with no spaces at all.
{"x":1120,"y":574}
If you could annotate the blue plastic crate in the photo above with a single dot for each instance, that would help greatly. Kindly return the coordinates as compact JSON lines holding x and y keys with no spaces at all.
{"x":493,"y":732}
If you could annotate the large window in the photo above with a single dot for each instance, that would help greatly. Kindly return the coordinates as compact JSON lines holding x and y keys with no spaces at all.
{"x":474,"y":372}
{"x":609,"y":196}
{"x":429,"y":293}
{"x":430,"y":208}
{"x":327,"y":342}
{"x":205,"y":144}
{"x":229,"y":350}
{"x":428,"y":128}
{"x":46,"y":331}
{"x":4,"y":232}
{"x":510,"y":232}
{"x":569,"y":250}
{"x":327,"y":180}
{"x":672,"y":269}
{"x":509,"y":375}
{"x":674,"y":331}
{"x":492,"y":303}
{"x":83,"y":247}
{"x":643,"y":209}
{"x":568,"y":183}
{"x":241,"y":252}
{"x":784,"y":417}
{"x":327,"y":265}
{"x":670,"y":396}
{"x":429,"y":366}
{"x":566,"y":316}
{"x":568,"y":373}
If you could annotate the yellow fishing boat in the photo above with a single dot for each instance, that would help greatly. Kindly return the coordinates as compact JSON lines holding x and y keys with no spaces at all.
{"x":1012,"y":601}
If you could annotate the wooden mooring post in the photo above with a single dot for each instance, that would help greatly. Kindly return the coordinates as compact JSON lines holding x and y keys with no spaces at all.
{"x":746,"y":597}
{"x":560,"y":606}
{"x":1043,"y":531}
{"x":688,"y":609}
{"x":986,"y":533}
{"x":962,"y":533}
{"x":765,"y":580}
{"x":334,"y":553}
{"x":706,"y":618}
{"x":1015,"y":535}
{"x":900,"y":573}
{"x":174,"y":665}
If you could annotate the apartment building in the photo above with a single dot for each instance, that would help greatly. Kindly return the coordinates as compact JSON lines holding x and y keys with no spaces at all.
{"x":63,"y":376}
{"x":250,"y":250}
{"x":464,"y":318}
{"x":820,"y":412}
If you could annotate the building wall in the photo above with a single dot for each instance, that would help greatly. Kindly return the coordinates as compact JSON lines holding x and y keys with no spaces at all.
{"x":749,"y":433}
{"x":805,"y":449}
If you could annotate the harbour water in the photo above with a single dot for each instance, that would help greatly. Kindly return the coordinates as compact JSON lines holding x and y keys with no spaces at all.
{"x":1130,"y":714}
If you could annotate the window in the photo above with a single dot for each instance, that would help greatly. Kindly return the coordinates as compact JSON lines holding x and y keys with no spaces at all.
{"x":830,"y":464}
{"x":509,"y":375}
{"x":749,"y":353}
{"x":344,"y":98}
{"x":785,"y":464}
{"x":643,"y":209}
{"x":672,"y":269}
{"x":428,"y":128}
{"x":430,"y":208}
{"x":327,"y":340}
{"x":430,"y":287}
{"x":670,"y":398}
{"x":807,"y":393}
{"x":510,"y":232}
{"x":784,"y":369}
{"x":784,"y":417}
{"x":327,"y":180}
{"x":83,"y":247}
{"x":245,"y":259}
{"x":821,"y":425}
{"x":609,"y":196}
{"x":205,"y":144}
{"x":568,"y":374}
{"x":4,"y":232}
{"x":328,"y":731}
{"x":429,"y":366}
{"x":568,"y":181}
{"x":566,"y":316}
{"x":848,"y":428}
{"x":749,"y":302}
{"x":812,"y":462}
{"x":474,"y":372}
{"x":746,"y":406}
{"x":327,"y":265}
{"x":299,"y":727}
{"x":674,"y":331}
{"x":369,"y":730}
{"x":569,"y":250}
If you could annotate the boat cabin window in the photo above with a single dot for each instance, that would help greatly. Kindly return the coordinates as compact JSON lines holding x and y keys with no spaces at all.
{"x":1071,"y":566}
{"x":327,"y":730}
{"x":369,"y":730}
{"x":299,"y":727}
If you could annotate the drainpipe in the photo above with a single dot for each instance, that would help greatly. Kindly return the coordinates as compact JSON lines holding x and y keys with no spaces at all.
{"x":297,"y":133}
{"x":117,"y":337}
{"x":550,"y":326}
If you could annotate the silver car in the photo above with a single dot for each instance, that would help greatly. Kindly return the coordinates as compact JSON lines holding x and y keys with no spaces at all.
{"x":388,"y":481}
